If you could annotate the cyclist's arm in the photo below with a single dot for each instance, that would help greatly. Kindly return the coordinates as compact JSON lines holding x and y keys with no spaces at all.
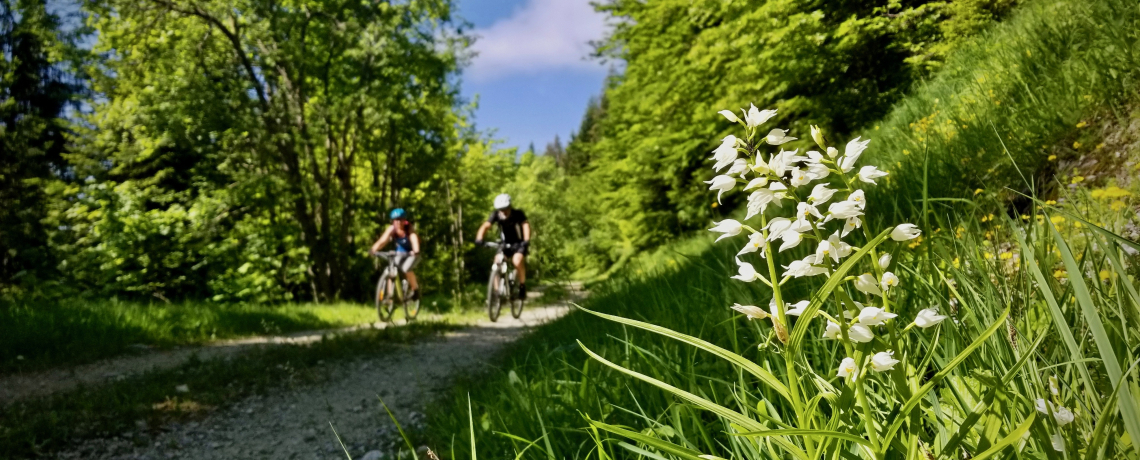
{"x":482,"y":229}
{"x":415,"y":238}
{"x":384,"y":238}
{"x":526,"y":231}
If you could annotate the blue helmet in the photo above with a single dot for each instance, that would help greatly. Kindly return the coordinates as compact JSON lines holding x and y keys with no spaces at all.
{"x":397,"y":213}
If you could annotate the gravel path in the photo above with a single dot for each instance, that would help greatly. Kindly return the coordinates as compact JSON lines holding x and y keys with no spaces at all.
{"x":294,"y":423}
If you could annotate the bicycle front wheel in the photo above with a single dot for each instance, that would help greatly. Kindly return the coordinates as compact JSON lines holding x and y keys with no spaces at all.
{"x":384,"y":300}
{"x":494,"y":297}
{"x":516,"y":300}
{"x":411,"y":306}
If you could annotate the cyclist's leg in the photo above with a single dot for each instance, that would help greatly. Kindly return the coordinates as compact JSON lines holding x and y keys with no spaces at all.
{"x":408,"y":265}
{"x":519,"y":261}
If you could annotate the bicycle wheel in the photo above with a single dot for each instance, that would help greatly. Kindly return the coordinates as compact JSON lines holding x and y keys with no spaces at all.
{"x":494,"y":297}
{"x":516,"y":299}
{"x":384,"y":305}
{"x":411,"y":306}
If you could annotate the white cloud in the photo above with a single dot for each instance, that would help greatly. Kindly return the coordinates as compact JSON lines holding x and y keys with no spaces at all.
{"x":541,"y":35}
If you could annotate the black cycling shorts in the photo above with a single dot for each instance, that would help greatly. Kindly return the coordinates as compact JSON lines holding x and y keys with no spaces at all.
{"x":510,"y":250}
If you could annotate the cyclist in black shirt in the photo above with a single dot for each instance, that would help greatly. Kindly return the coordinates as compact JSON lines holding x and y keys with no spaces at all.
{"x":514,"y":233}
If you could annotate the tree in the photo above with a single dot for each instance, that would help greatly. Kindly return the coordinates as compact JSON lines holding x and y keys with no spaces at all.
{"x":34,"y":91}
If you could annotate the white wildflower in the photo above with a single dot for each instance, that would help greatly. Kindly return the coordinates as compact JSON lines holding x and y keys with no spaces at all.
{"x":874,"y":316}
{"x":850,"y":226}
{"x":889,"y":281}
{"x":1058,"y":442}
{"x":757,"y":117}
{"x":884,"y":261}
{"x":778,"y":136}
{"x":866,"y":283}
{"x":746,"y":272}
{"x":806,"y":267}
{"x":832,"y":331}
{"x":905,"y":232}
{"x":751,"y":311}
{"x":739,"y":167}
{"x":860,"y":333}
{"x":726,"y":153}
{"x":868,"y":174}
{"x":721,"y":184}
{"x":800,"y":177}
{"x":820,"y":194}
{"x":847,"y":369}
{"x":797,"y":309}
{"x":730,"y":116}
{"x":755,"y":243}
{"x":758,"y":182}
{"x":851,"y":154}
{"x":927,"y":318}
{"x":883,"y":361}
{"x":728,"y":227}
{"x":832,"y":152}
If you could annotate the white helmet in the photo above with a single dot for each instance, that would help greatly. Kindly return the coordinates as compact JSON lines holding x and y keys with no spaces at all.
{"x":503,"y":201}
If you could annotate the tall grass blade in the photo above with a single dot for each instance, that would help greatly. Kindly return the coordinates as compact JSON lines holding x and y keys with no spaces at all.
{"x":342,"y":446}
{"x":1011,"y":438}
{"x":1128,"y":411}
{"x":728,"y":414}
{"x":471,"y":421}
{"x":407,"y":440}
{"x":662,"y":445}
{"x":545,"y":436}
{"x":740,"y":361}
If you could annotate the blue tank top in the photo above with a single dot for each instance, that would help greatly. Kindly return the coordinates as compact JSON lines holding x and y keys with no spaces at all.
{"x":403,"y":243}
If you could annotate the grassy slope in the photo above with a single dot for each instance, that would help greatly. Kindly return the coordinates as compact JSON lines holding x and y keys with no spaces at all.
{"x":1042,"y":72}
{"x":1030,"y":82}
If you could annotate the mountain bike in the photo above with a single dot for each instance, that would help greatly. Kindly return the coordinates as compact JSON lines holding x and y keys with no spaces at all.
{"x":392,"y":289}
{"x":503,"y":285}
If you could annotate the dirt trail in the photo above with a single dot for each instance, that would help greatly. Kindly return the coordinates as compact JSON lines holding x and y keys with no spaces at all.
{"x":294,"y":423}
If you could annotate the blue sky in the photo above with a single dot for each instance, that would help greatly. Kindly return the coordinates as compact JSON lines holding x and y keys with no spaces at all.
{"x":531,"y":76}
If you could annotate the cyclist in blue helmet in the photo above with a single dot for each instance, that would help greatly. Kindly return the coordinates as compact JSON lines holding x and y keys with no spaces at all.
{"x":403,"y":233}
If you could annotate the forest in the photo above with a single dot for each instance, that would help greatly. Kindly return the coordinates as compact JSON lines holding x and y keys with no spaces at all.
{"x":957,"y":281}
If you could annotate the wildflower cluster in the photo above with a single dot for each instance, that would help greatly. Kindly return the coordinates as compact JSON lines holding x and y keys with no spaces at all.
{"x":825,"y":190}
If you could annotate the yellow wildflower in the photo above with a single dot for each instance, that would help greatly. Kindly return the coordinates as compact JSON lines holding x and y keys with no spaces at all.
{"x":714,"y":205}
{"x":1059,"y":274}
{"x":1104,"y":275}
{"x":1117,"y":205}
{"x":1077,"y":144}
{"x":1050,"y":202}
{"x":1100,"y":146}
{"x":1006,"y":256}
{"x":978,"y":191}
{"x":1052,"y":157}
{"x":989,"y":256}
{"x":1025,"y":217}
{"x":1078,"y":179}
{"x":1081,"y":125}
{"x":1057,"y":220}
{"x":1110,"y":192}
{"x":956,"y":263}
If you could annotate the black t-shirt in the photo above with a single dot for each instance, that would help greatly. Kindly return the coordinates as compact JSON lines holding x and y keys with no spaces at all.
{"x":510,"y":228}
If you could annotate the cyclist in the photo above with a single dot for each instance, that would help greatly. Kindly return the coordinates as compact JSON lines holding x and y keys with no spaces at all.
{"x":514,"y":233}
{"x":403,"y":233}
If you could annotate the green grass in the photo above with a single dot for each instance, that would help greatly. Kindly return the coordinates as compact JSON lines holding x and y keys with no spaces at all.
{"x":38,"y":427}
{"x":38,"y":335}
